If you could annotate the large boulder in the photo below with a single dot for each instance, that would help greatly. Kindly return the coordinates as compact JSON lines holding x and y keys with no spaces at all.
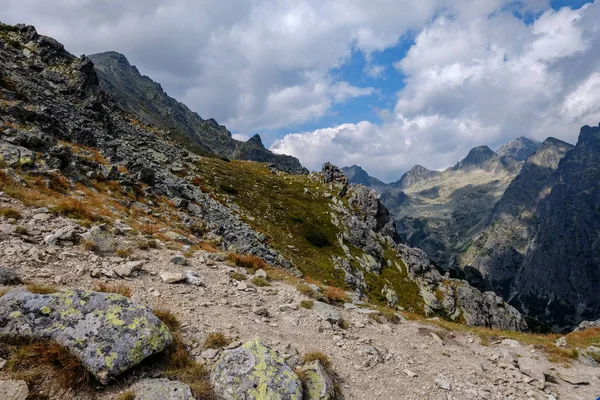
{"x":161,"y":389}
{"x":254,"y":372}
{"x":106,"y":331}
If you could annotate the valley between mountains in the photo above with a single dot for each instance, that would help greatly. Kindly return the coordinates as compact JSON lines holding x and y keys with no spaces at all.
{"x":146,"y":254}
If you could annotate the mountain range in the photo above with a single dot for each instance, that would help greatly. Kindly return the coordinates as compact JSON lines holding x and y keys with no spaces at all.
{"x":522,"y":221}
{"x":142,"y":259}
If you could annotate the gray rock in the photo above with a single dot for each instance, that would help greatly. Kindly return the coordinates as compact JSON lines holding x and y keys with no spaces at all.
{"x":326,"y":312}
{"x":67,"y":233}
{"x":319,"y":384}
{"x":14,"y":390}
{"x":573,"y":380}
{"x":171,"y":277}
{"x":193,"y":279}
{"x":260,"y":274}
{"x":9,"y":276}
{"x":161,"y":389}
{"x":178,"y":237}
{"x":533,"y":369}
{"x":178,"y":259}
{"x":106,"y":331}
{"x":127,"y":269}
{"x":443,"y":383}
{"x":390,"y":296}
{"x":254,"y":372}
{"x":102,"y":241}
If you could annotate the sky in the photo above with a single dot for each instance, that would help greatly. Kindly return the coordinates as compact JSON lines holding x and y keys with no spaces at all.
{"x":384,"y":84}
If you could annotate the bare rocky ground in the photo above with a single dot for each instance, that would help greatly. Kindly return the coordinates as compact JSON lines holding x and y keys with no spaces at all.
{"x":408,"y":360}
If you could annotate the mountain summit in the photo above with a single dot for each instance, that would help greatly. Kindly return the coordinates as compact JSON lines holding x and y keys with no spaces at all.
{"x":147,"y":100}
{"x":519,"y":149}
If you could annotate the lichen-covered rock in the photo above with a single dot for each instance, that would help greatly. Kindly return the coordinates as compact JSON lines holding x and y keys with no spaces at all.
{"x":254,"y":372}
{"x":319,"y":384}
{"x":106,"y":331}
{"x":161,"y":389}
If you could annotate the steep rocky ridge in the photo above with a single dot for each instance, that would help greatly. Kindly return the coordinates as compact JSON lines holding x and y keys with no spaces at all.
{"x":146,"y":99}
{"x":558,"y":280}
{"x":518,"y":149}
{"x":540,"y":248}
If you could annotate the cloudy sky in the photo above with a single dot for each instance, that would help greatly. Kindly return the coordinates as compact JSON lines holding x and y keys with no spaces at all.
{"x":384,"y":84}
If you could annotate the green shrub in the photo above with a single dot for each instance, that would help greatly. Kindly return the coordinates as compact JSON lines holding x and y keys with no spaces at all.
{"x":315,"y":237}
{"x":308,"y":304}
{"x":229,"y":189}
{"x":260,"y":282}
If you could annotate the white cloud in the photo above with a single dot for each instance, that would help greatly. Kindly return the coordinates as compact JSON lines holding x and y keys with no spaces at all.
{"x":240,"y":137}
{"x":343,"y":91}
{"x":235,"y":60}
{"x":375,"y":71}
{"x":473,"y":80}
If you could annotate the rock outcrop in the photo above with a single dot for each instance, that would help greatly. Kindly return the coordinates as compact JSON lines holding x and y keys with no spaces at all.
{"x":107,"y":332}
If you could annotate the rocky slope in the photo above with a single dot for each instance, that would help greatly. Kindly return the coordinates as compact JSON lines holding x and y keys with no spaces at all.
{"x":145,"y":99}
{"x":87,"y":190}
{"x":370,"y":356}
{"x":558,"y":280}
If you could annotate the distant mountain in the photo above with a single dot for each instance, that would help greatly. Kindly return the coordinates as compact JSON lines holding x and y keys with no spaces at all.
{"x":441,"y":211}
{"x":356,"y":174}
{"x":146,"y":99}
{"x":518,"y":149}
{"x":416,"y":174}
{"x":497,"y":253}
{"x":523,"y":221}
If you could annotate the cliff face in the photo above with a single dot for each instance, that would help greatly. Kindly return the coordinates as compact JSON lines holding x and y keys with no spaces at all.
{"x":560,"y":275}
{"x":146,"y":99}
{"x":497,"y":253}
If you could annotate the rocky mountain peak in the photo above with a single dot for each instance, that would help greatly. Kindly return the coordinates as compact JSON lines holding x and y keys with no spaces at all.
{"x":256,"y":141}
{"x":478,"y":157}
{"x":415,"y":175}
{"x":549,"y":154}
{"x":589,"y":136}
{"x":518,"y":149}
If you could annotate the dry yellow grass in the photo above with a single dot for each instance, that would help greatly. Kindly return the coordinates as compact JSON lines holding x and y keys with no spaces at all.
{"x":317,"y":355}
{"x":45,"y":361}
{"x":41,"y":289}
{"x":168,"y":318}
{"x":117,"y":288}
{"x":216,"y":340}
